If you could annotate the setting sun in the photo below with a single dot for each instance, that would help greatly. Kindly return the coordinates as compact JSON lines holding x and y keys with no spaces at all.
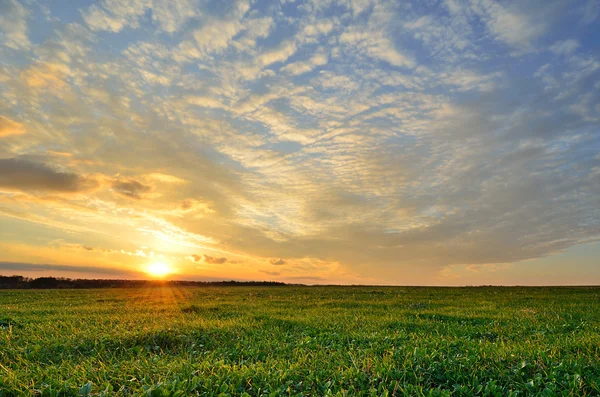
{"x":158,"y":269}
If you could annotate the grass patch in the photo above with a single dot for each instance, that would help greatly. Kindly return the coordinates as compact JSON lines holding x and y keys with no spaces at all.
{"x":300,"y":341}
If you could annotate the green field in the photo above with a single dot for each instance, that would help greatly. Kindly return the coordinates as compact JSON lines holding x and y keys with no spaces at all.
{"x":300,"y":341}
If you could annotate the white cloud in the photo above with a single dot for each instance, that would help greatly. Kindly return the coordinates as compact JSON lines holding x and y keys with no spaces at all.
{"x":564,"y":47}
{"x":318,"y":59}
{"x":254,"y":28}
{"x":279,"y":54}
{"x":204,"y":101}
{"x":172,"y":15}
{"x":340,"y":83}
{"x":114,"y":15}
{"x":375,"y":45}
{"x":419,"y":23}
{"x":358,"y":6}
{"x":509,"y":24}
{"x":313,"y":30}
{"x":467,"y":80}
{"x":216,"y":35}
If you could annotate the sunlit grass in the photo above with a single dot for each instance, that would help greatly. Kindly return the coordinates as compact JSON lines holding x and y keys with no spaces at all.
{"x":300,"y":341}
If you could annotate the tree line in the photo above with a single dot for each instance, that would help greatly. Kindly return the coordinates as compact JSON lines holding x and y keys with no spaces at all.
{"x":20,"y":282}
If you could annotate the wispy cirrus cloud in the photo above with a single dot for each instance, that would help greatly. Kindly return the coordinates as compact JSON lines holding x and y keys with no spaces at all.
{"x":14,"y":25}
{"x":10,"y":127}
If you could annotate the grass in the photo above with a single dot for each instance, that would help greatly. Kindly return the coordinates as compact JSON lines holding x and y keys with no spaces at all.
{"x":301,"y":341}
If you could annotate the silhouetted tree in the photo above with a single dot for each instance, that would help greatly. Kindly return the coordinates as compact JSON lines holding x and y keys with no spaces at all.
{"x":20,"y":282}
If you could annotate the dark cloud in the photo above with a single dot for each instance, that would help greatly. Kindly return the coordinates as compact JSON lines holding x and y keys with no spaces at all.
{"x":214,"y":260}
{"x":306,"y":278}
{"x":112,"y":272}
{"x":270,"y":273}
{"x":190,"y":205}
{"x":277,"y":261}
{"x":187,"y":204}
{"x":130,"y":188}
{"x":16,"y":173}
{"x":208,"y":259}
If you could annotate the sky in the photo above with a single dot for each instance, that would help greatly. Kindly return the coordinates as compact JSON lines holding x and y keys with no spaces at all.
{"x":328,"y":141}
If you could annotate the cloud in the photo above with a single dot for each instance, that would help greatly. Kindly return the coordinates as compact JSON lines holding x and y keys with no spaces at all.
{"x":16,"y":173}
{"x":216,"y":33}
{"x":41,"y":267}
{"x":192,"y":205}
{"x":270,"y":273}
{"x":130,"y":188}
{"x":172,"y":16}
{"x":254,"y":28}
{"x":213,"y":260}
{"x":564,"y":47}
{"x":13,"y":25}
{"x":307,"y":278}
{"x":590,"y":11}
{"x":375,"y":45}
{"x":86,"y":248}
{"x":279,"y":54}
{"x":512,"y":26}
{"x":466,"y":80}
{"x":98,"y":19}
{"x":321,"y":27}
{"x":41,"y":75}
{"x":357,"y":135}
{"x":10,"y":127}
{"x":518,"y":24}
{"x":113,"y":15}
{"x":216,"y":36}
{"x":318,"y":59}
{"x":165,"y":178}
{"x":204,"y":101}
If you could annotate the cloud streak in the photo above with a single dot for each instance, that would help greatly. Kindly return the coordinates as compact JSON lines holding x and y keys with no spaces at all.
{"x":10,"y":127}
{"x":51,"y":269}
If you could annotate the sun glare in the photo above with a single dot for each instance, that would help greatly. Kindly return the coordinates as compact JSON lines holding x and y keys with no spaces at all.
{"x":158,"y":269}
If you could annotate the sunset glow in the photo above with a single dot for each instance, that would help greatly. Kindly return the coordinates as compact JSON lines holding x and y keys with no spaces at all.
{"x":159,"y":269}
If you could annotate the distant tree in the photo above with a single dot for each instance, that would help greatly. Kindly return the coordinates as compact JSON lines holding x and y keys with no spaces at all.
{"x":19,"y":282}
{"x":44,"y":282}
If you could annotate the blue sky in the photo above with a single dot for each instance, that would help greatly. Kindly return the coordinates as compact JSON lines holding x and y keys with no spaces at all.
{"x":432,"y":142}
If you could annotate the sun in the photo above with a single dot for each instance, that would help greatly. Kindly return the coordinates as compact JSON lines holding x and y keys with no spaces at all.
{"x":158,"y":269}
